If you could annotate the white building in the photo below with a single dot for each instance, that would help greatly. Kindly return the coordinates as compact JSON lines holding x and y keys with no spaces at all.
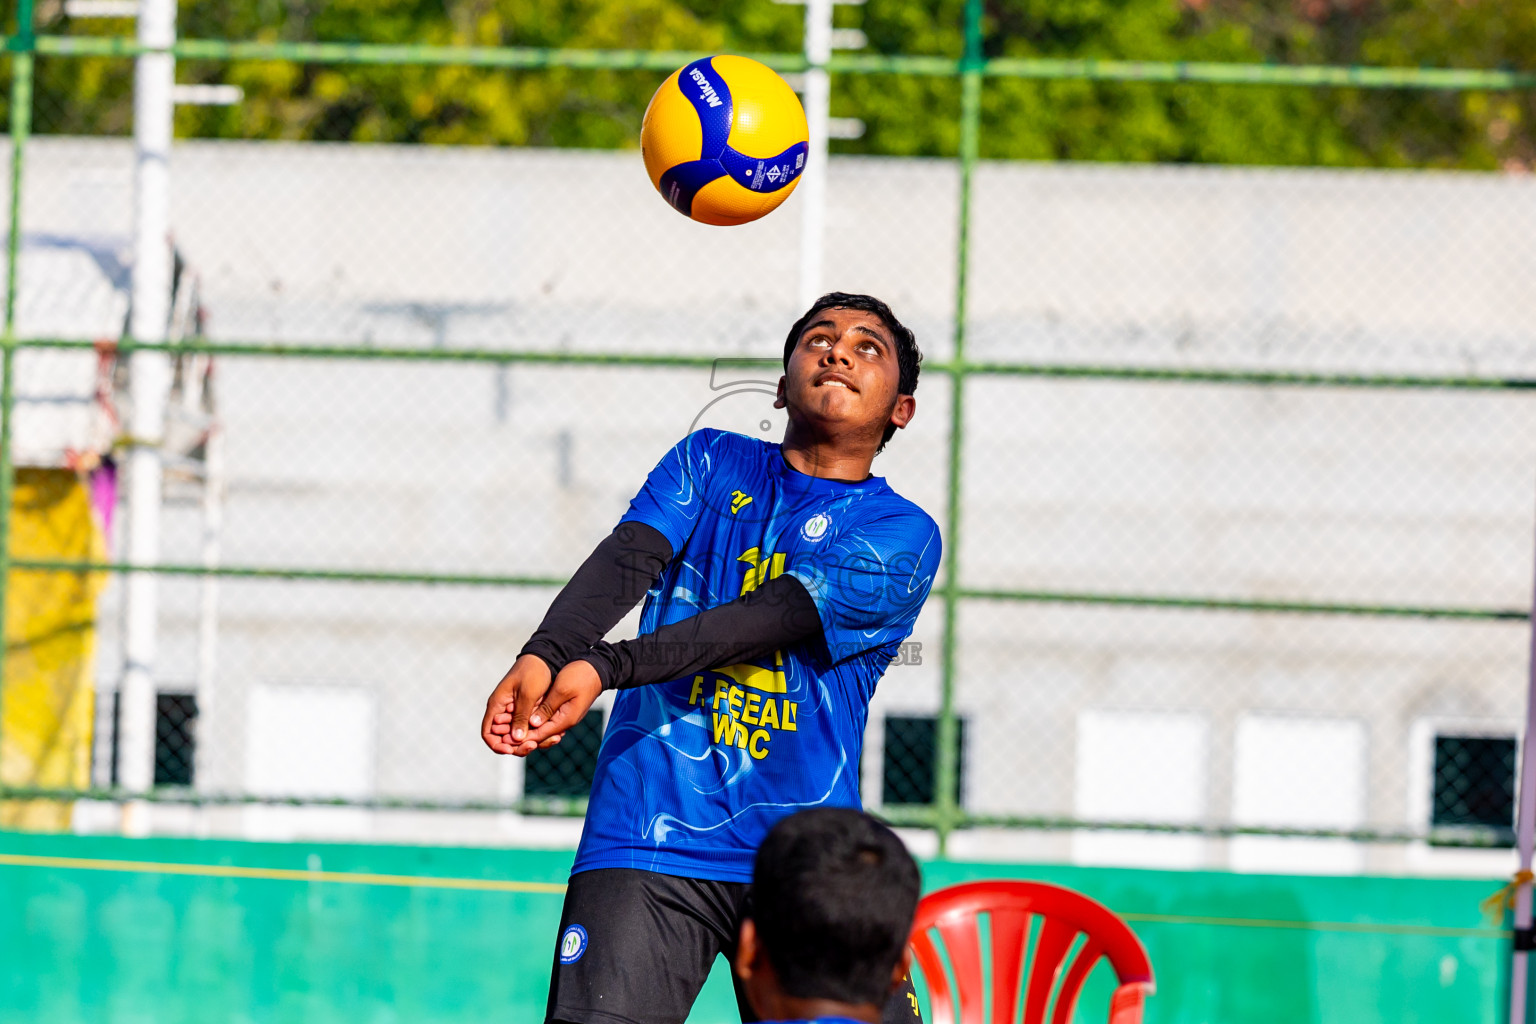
{"x":1406,"y":497}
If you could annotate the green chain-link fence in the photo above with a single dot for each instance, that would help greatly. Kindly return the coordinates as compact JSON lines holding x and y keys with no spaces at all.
{"x":1233,"y":464}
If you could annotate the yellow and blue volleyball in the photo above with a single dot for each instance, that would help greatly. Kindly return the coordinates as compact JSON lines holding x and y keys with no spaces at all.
{"x":724,"y":140}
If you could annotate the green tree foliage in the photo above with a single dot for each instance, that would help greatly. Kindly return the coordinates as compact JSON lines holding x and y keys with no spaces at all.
{"x":1079,"y":120}
{"x":1466,"y":129}
{"x":79,"y":97}
{"x":559,"y":107}
{"x":904,"y":115}
{"x":1402,"y":128}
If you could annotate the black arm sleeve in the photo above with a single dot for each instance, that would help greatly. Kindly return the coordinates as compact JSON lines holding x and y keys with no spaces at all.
{"x":609,"y":583}
{"x":778,"y":614}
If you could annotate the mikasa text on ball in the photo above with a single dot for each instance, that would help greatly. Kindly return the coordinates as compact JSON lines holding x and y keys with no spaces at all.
{"x":724,"y":140}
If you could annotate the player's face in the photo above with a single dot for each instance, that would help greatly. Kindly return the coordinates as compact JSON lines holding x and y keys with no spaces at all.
{"x":844,"y":371}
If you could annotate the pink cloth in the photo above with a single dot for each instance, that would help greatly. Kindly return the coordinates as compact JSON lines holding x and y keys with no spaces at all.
{"x":104,"y":496}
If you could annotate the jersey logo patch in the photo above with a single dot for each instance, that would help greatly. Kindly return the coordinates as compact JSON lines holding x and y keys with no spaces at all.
{"x":763,"y":568}
{"x":573,"y":943}
{"x":739,"y":500}
{"x":816,"y":527}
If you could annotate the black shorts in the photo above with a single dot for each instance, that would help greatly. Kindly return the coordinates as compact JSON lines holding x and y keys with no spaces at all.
{"x":635,"y":947}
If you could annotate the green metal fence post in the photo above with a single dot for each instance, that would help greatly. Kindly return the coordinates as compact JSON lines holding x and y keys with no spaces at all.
{"x":947,"y":811}
{"x":21,"y":125}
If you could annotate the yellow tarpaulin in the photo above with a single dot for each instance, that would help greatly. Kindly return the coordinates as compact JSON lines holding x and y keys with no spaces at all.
{"x":46,"y":697}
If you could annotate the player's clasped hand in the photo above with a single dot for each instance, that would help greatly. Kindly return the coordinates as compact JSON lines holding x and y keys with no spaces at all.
{"x":565,"y":704}
{"x":528,"y":712}
{"x":526,"y":681}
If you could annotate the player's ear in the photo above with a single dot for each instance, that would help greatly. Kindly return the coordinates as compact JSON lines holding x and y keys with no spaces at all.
{"x":904,"y":410}
{"x":778,"y":401}
{"x":746,"y":949}
{"x":903,"y":968}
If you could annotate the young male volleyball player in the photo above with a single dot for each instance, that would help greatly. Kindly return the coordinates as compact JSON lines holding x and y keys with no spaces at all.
{"x":834,"y":894}
{"x":779,"y":581}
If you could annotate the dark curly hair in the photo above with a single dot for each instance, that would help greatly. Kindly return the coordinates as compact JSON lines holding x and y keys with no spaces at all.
{"x":909,"y":358}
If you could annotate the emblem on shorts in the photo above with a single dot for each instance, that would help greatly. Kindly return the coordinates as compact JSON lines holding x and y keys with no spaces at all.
{"x":815,"y":527}
{"x":573,"y":943}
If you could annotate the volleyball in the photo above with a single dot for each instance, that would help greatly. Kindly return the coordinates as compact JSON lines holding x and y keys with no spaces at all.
{"x":724,"y":140}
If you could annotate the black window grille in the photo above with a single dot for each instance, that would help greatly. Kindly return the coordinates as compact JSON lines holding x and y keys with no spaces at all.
{"x":175,"y":738}
{"x":909,"y":770}
{"x":1474,"y":782}
{"x":566,"y":770}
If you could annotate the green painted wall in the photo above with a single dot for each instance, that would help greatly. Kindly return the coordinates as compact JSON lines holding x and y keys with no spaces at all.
{"x":124,"y":945}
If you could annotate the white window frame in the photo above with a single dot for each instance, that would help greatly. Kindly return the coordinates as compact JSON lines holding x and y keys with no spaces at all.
{"x":1167,"y":851}
{"x":285,"y":823}
{"x":1261,"y":854}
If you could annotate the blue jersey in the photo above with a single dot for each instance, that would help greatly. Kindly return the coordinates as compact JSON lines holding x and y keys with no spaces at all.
{"x":693,"y":773}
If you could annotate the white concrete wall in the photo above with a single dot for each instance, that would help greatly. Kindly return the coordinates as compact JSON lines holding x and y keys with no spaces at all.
{"x":1337,"y":495}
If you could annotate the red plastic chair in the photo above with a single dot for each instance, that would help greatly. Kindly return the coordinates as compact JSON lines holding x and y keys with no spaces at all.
{"x":955,"y":912}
